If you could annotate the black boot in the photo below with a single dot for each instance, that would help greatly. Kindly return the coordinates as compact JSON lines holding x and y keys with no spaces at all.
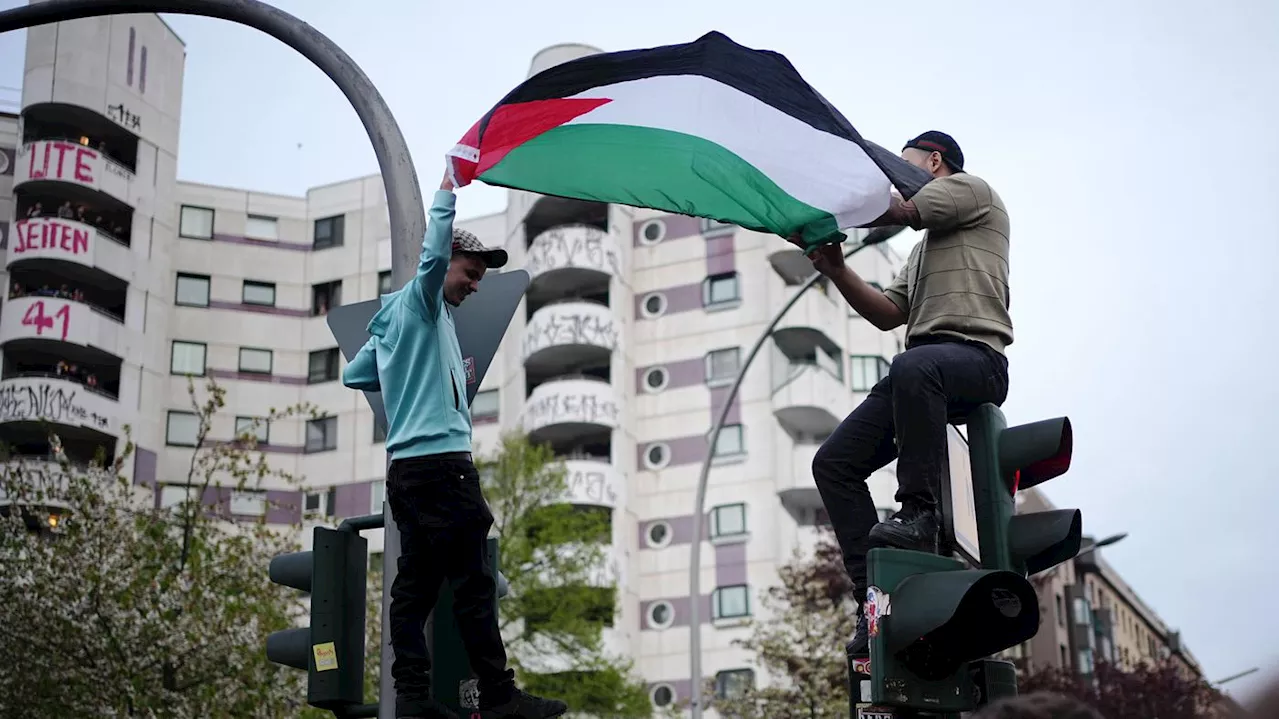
{"x":859,"y":647}
{"x":520,"y":705}
{"x":909,"y":528}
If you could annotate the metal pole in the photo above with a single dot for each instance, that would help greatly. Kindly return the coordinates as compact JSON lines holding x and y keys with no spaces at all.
{"x":404,"y":197}
{"x":695,"y":558}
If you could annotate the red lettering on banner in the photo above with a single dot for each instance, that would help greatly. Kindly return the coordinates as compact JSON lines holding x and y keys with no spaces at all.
{"x":36,"y":317}
{"x":81,"y":171}
{"x":50,"y":234}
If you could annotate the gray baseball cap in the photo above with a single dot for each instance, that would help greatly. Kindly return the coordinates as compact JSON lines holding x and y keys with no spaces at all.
{"x":463,"y":241}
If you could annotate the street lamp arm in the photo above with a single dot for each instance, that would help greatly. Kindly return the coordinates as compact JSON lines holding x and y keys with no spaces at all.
{"x":695,"y":557}
{"x":404,"y":196}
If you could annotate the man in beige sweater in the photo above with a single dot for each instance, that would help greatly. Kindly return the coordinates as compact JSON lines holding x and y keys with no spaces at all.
{"x":953,"y":296}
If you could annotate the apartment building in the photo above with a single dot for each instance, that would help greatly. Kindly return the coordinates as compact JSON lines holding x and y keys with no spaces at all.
{"x":1087,"y":611}
{"x":124,"y":284}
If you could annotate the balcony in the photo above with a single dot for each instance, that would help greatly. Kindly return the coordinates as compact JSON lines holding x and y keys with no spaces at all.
{"x":80,"y":171}
{"x":593,"y":482}
{"x":815,"y":311}
{"x":571,"y":408}
{"x":569,"y":333}
{"x":34,"y":321}
{"x":576,"y":258}
{"x":43,"y":241}
{"x":810,"y":401}
{"x":83,"y":413}
{"x":795,"y":483}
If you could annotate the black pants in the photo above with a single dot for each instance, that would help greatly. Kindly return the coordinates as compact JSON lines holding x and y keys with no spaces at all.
{"x":444,"y":522}
{"x":904,"y":417}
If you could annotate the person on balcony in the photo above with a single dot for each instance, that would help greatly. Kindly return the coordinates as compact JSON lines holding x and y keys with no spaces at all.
{"x":953,"y":297}
{"x":433,"y":488}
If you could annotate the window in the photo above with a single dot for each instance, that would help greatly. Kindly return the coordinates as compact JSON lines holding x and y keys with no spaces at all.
{"x":379,"y":432}
{"x":322,"y":366}
{"x":1080,"y":611}
{"x":734,"y":683}
{"x":258,"y":293}
{"x":377,"y":495}
{"x":659,"y":534}
{"x":187,"y":358}
{"x":322,"y":434}
{"x":653,"y":304}
{"x":722,"y":365}
{"x":730,"y":602}
{"x":192,"y":290}
{"x":328,"y":232}
{"x":260,"y":227}
{"x":255,"y":361}
{"x":384,"y":282}
{"x":655,"y":379}
{"x":729,"y":441}
{"x":661,"y":614}
{"x":183,"y":429}
{"x":257,"y":427}
{"x":729,"y":520}
{"x":171,"y":495}
{"x":663,"y":695}
{"x":485,"y":405}
{"x":720,"y":289}
{"x":653,"y":232}
{"x":325,"y":297}
{"x":195,"y":222}
{"x":657,"y":455}
{"x":314,"y":505}
{"x":866,"y":370}
{"x":1062,"y":620}
{"x":249,"y":502}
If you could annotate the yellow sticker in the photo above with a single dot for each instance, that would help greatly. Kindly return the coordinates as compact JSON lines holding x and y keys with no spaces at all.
{"x":326,"y":656}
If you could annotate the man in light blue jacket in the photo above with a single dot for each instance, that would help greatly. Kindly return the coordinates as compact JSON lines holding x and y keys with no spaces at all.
{"x":433,"y":488}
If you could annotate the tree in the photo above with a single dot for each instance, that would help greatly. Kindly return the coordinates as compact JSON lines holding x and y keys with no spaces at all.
{"x":554,"y":556}
{"x":118,"y":608}
{"x":1159,"y":691}
{"x":800,"y":640}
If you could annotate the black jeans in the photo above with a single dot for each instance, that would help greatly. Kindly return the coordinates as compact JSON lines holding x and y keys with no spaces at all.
{"x":444,"y":522}
{"x":905,"y":417}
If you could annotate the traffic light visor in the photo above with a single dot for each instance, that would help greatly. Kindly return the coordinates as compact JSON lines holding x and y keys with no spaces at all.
{"x":1036,"y":452}
{"x":941,"y":620}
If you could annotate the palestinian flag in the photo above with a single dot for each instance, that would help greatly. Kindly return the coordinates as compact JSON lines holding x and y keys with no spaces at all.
{"x":709,"y":128}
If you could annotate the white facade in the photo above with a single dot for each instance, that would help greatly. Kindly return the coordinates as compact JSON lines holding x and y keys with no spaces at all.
{"x":620,"y":354}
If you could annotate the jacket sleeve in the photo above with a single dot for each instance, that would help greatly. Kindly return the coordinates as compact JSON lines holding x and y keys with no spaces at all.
{"x":362,"y":372}
{"x":437,"y":249}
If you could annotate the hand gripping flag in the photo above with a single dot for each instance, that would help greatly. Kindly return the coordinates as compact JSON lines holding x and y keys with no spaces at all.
{"x":709,"y":129}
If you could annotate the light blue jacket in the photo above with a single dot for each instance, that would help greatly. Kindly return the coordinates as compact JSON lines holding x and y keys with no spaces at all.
{"x":412,"y":355}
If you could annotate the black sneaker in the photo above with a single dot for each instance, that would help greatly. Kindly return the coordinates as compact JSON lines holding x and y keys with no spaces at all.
{"x":916,"y":530}
{"x":859,"y":647}
{"x":522,"y":705}
{"x":421,"y":708}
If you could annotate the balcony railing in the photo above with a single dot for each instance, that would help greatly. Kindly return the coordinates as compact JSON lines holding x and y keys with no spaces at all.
{"x":98,"y":390}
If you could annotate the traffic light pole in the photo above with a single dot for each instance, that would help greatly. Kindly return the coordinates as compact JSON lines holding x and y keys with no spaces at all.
{"x":404,"y":196}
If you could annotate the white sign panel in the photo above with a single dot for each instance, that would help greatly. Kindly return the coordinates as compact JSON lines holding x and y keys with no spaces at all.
{"x":964,"y":514}
{"x":59,"y":160}
{"x":46,"y":318}
{"x":52,"y":238}
{"x":32,"y":399}
{"x":575,"y":401}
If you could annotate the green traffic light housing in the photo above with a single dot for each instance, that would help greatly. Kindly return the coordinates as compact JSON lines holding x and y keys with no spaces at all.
{"x":1031,"y":454}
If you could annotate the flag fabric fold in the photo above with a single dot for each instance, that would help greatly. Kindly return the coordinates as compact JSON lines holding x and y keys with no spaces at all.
{"x":709,"y":128}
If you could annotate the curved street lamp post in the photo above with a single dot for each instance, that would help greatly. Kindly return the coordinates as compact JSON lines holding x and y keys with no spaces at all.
{"x":404,"y":196}
{"x":875,"y":237}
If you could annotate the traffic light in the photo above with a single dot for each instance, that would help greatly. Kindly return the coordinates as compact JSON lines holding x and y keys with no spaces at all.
{"x":933,"y":621}
{"x":331,"y":648}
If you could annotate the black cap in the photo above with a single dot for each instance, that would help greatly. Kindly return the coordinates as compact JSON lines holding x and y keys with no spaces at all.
{"x":942,"y":143}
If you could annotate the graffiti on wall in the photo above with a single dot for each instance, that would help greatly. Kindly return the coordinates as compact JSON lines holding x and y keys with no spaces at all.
{"x":571,"y":407}
{"x":592,"y":485}
{"x":47,"y":401}
{"x":559,"y":328}
{"x":573,"y":246}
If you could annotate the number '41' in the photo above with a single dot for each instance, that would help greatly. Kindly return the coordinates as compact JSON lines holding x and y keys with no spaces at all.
{"x":36,"y":317}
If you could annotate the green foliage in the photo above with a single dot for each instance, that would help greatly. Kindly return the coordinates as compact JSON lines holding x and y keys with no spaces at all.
{"x":121,"y":609}
{"x":555,"y":557}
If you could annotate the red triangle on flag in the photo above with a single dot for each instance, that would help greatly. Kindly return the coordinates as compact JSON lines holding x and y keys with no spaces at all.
{"x":509,"y":127}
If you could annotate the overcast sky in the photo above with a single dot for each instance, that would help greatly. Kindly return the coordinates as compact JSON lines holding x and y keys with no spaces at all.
{"x":1134,"y":144}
